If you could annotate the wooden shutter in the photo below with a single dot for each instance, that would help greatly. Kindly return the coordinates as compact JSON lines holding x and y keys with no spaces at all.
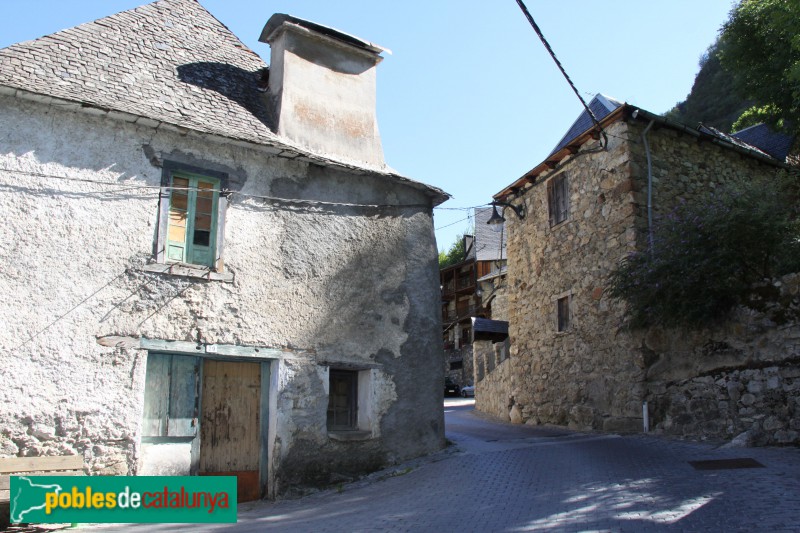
{"x":201,"y":240}
{"x":179,"y":211}
{"x":156,"y":395}
{"x":192,"y":225}
{"x":183,"y":396}
{"x":170,"y":397}
{"x":563,"y":204}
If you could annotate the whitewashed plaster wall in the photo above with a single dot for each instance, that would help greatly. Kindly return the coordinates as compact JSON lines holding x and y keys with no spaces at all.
{"x":325,"y":284}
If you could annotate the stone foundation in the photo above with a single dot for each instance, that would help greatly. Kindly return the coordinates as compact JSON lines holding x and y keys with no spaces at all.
{"x":762,"y":402}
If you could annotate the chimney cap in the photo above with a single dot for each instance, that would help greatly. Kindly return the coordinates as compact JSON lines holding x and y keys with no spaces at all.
{"x":278,"y":19}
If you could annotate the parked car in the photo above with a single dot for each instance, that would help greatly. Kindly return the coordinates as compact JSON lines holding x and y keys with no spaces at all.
{"x":450,"y":387}
{"x":468,"y":390}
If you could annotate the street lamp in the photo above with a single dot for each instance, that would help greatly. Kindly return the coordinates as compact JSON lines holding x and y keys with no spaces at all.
{"x":497,"y":220}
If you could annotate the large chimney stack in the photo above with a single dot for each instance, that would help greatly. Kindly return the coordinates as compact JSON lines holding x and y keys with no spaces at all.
{"x":322,"y":89}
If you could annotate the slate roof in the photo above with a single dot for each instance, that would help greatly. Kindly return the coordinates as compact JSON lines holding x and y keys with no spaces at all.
{"x":171,"y":61}
{"x":488,"y":243}
{"x":709,"y":130}
{"x":620,"y":111}
{"x":601,"y":106}
{"x":483,"y":328}
{"x":762,"y":137}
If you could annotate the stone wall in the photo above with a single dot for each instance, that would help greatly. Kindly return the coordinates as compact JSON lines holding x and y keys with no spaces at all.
{"x":462,"y":375}
{"x":741,"y":377}
{"x":593,"y":375}
{"x":586,"y":376}
{"x":313,"y":286}
{"x":492,"y":378}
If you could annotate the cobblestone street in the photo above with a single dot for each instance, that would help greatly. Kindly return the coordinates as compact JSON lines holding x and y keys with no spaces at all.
{"x":501,"y":477}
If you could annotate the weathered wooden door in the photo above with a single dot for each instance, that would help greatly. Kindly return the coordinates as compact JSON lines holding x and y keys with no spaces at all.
{"x":230,"y":429}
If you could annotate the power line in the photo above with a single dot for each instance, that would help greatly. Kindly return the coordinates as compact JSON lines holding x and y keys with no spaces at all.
{"x":159,"y":188}
{"x":123,"y":187}
{"x":453,"y":224}
{"x":535,"y":26}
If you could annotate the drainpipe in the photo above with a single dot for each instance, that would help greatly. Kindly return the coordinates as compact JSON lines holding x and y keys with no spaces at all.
{"x":649,"y":187}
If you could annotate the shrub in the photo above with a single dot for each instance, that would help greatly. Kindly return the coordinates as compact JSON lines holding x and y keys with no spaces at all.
{"x":707,"y":253}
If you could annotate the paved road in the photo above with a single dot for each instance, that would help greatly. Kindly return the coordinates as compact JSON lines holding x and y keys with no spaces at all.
{"x":501,"y":477}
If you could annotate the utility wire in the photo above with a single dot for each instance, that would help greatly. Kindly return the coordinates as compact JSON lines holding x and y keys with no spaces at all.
{"x":122,"y":187}
{"x":535,"y":26}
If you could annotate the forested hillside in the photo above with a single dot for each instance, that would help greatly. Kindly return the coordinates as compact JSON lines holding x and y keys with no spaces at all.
{"x":752,"y":73}
{"x":712,"y":99}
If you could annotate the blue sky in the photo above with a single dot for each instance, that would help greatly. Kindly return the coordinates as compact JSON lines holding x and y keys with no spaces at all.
{"x":469,"y":100}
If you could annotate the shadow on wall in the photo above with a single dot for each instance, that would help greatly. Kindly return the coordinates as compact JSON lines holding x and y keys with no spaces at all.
{"x":369,"y":273}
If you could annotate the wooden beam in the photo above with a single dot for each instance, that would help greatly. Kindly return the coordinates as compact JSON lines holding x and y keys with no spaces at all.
{"x":5,"y":481}
{"x":39,"y":464}
{"x":231,"y":350}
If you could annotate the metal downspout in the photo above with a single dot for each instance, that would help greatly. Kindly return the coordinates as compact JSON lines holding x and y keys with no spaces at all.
{"x":649,"y":187}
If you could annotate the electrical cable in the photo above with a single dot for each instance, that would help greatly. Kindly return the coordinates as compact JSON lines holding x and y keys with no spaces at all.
{"x":558,"y":64}
{"x":128,"y":187}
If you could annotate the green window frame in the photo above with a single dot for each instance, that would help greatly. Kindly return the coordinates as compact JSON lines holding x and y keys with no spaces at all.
{"x":192,"y":219}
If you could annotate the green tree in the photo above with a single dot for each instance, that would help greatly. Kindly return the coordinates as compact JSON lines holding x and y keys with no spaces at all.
{"x":455,"y":254}
{"x":760,"y":44}
{"x":708,"y":253}
{"x":711,"y":101}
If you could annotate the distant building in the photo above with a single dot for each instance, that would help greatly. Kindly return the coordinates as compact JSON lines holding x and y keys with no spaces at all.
{"x":463,"y":297}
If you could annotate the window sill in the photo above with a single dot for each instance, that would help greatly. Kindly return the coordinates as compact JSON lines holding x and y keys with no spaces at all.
{"x":188,"y":271}
{"x":350,"y":436}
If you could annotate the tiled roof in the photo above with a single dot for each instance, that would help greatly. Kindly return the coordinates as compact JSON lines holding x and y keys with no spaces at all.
{"x":601,"y":106}
{"x":171,"y":61}
{"x":761,"y":136}
{"x":709,"y":130}
{"x":620,"y":111}
{"x":488,"y":243}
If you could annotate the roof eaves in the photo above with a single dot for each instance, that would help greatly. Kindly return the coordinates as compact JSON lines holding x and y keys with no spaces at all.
{"x":623,"y":111}
{"x":551,"y":162}
{"x":271,"y":147}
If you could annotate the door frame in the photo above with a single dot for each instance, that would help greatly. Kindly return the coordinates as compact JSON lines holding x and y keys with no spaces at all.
{"x":267,"y":420}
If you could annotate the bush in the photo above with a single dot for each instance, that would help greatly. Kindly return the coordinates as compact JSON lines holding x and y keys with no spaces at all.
{"x":707,"y":254}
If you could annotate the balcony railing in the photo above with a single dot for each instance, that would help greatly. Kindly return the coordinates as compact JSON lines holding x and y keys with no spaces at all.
{"x":469,"y":310}
{"x":465,"y":282}
{"x":450,"y":286}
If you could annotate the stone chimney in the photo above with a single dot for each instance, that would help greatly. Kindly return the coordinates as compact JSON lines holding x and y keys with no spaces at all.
{"x":322,"y":89}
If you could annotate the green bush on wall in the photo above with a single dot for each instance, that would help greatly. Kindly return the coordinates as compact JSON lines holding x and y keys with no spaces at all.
{"x":708,"y":252}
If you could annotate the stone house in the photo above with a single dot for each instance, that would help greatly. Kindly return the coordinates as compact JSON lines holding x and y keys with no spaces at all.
{"x":572,"y":362}
{"x":464,"y":289}
{"x":210,"y":268}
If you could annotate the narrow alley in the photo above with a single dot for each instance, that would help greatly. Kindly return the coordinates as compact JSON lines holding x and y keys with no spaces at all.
{"x":502,"y":477}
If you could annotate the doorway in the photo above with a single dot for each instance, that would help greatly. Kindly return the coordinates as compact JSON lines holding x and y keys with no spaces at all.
{"x":230,"y":429}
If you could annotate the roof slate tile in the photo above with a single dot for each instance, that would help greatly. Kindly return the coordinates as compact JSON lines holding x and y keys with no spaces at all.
{"x":147,"y":62}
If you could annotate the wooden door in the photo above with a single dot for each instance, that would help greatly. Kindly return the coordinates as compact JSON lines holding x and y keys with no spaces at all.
{"x":230,"y":443}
